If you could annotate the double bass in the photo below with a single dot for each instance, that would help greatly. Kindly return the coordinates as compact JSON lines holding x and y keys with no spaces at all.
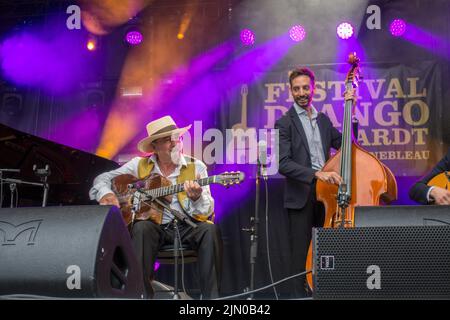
{"x":365,"y":180}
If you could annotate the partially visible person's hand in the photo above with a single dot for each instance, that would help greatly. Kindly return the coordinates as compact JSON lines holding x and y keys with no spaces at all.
{"x":440,"y":195}
{"x":110,"y":199}
{"x":329,"y":177}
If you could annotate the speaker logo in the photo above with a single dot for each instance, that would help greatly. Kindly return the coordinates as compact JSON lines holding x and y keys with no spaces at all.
{"x":74,"y":280}
{"x":374,"y":279}
{"x":11,"y":234}
{"x":327,"y":262}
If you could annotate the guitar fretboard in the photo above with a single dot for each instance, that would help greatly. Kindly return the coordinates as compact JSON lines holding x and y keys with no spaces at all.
{"x":165,"y":191}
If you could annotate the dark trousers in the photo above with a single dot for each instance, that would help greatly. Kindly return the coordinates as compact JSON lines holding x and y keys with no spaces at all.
{"x":301,"y":222}
{"x":148,"y":237}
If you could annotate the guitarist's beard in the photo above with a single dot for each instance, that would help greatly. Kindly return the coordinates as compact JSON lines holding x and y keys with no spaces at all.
{"x":175,"y":153}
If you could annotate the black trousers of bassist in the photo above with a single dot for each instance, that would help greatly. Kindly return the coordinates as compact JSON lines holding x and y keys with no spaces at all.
{"x":301,"y":222}
{"x":148,"y":237}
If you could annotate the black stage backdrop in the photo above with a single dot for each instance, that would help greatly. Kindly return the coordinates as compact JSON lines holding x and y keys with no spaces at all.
{"x":402,"y":110}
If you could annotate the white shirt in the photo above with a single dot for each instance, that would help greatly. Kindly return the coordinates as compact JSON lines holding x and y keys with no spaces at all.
{"x":313,"y":137}
{"x":203,"y":206}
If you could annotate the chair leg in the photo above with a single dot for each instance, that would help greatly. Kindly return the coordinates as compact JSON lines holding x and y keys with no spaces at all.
{"x":176,"y":296}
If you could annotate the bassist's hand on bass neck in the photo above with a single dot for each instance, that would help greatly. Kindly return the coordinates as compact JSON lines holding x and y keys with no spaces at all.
{"x":350,"y":94}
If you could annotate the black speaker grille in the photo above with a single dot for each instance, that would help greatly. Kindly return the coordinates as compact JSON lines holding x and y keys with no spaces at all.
{"x":413,"y":262}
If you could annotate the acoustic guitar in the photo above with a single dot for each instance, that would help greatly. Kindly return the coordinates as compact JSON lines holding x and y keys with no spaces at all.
{"x":130,"y":189}
{"x":441,"y":180}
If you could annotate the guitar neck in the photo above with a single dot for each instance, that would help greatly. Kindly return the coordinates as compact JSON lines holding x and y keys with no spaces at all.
{"x":176,"y":188}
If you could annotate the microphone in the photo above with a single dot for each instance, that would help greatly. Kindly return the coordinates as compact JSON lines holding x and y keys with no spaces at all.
{"x":137,"y":185}
{"x":262,"y":157}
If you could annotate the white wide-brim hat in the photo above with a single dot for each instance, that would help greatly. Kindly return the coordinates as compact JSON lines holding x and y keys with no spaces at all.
{"x":160,"y":128}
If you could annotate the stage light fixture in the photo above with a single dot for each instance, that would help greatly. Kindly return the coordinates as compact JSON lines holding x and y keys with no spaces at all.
{"x":247,"y":37}
{"x":134,"y":37}
{"x":297,"y":33}
{"x":344,"y":30}
{"x":397,"y":27}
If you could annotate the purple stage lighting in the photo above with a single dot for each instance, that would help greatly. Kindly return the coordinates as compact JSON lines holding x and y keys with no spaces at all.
{"x":397,"y":27}
{"x":344,"y":30}
{"x":297,"y":33}
{"x":247,"y":37}
{"x":134,"y":37}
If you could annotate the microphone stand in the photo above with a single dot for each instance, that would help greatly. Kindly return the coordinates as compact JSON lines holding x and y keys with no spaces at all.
{"x":178,"y":216}
{"x":43,"y":175}
{"x":12,"y":188}
{"x":253,"y":230}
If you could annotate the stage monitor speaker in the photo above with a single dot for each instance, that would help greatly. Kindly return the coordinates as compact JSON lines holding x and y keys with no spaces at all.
{"x":385,"y":216}
{"x":407,"y":262}
{"x":67,"y":252}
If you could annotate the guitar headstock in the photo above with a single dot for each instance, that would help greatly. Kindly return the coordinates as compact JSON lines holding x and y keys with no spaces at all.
{"x":354,"y":74}
{"x":229,"y":178}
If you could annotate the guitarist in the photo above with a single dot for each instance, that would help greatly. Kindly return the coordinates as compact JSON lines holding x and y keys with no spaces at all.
{"x":425,"y":194}
{"x":164,"y":142}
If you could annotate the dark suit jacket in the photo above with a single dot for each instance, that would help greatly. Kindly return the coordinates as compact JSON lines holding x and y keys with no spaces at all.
{"x":419,"y":190}
{"x":295,"y":159}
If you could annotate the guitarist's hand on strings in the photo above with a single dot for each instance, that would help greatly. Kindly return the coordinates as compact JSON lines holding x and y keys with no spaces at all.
{"x":193,"y":190}
{"x":110,"y":199}
{"x":329,"y":177}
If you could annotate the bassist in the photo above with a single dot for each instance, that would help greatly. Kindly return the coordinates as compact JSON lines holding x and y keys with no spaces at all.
{"x":306,"y":137}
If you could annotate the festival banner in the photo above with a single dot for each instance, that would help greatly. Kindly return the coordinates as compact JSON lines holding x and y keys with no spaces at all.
{"x":399,"y":110}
